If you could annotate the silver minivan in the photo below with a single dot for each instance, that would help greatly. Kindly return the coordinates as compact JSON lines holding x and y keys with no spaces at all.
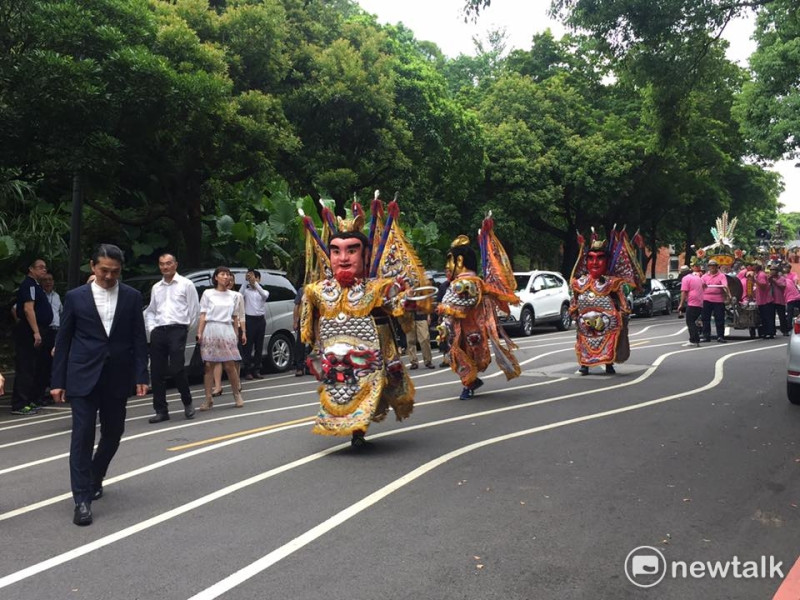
{"x":279,"y":339}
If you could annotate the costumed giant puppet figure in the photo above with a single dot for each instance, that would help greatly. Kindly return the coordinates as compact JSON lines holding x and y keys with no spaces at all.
{"x":469,"y":309}
{"x":345,"y":317}
{"x":598,"y":301}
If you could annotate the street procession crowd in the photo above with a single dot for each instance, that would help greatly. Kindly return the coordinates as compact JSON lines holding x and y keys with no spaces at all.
{"x":93,"y":350}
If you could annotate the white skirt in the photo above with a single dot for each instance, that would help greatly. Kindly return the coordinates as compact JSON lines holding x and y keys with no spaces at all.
{"x":219,"y":343}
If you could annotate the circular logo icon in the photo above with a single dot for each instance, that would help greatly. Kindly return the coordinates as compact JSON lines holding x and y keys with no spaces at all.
{"x":645,"y":566}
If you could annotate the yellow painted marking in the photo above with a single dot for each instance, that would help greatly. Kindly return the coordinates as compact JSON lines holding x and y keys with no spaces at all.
{"x":639,"y":343}
{"x":239,"y":434}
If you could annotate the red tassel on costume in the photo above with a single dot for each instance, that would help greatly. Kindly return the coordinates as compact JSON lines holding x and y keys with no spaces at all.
{"x":393,"y":209}
{"x":357,"y":209}
{"x":376,"y":207}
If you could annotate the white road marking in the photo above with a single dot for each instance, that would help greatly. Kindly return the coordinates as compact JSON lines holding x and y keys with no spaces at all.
{"x":148,"y":523}
{"x":256,"y":567}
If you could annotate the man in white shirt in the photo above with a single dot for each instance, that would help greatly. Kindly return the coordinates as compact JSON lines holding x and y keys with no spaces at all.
{"x":174,"y":306}
{"x":255,"y":310}
{"x":49,"y":334}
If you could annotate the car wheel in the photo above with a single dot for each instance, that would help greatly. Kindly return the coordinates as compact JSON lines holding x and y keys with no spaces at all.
{"x":280,"y":352}
{"x":564,"y":319}
{"x":648,"y":310}
{"x":667,"y":308}
{"x":793,"y":392}
{"x":526,"y":320}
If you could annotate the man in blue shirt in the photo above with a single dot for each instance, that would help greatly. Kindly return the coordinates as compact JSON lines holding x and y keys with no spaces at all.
{"x":34,"y":315}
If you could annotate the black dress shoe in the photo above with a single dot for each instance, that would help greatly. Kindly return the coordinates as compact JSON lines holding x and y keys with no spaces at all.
{"x":97,"y":491}
{"x":583,"y":370}
{"x":159,"y":417}
{"x":188,"y":411}
{"x":83,"y":514}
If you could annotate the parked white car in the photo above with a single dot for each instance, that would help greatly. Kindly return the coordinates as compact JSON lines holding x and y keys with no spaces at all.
{"x":279,"y":339}
{"x":793,"y":367}
{"x":544,"y":298}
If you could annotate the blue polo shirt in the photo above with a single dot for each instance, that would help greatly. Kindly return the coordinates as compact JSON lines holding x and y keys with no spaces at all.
{"x":31,"y":291}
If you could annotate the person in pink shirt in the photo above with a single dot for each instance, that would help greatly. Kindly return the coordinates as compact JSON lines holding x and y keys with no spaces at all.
{"x":714,"y":296}
{"x":778,"y":287}
{"x":692,"y":288}
{"x":791,"y":293}
{"x":765,"y":299}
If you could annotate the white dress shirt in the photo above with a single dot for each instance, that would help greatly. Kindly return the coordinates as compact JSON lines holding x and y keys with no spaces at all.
{"x":173,"y":303}
{"x":255,"y":298}
{"x":55,"y":303}
{"x":106,"y":303}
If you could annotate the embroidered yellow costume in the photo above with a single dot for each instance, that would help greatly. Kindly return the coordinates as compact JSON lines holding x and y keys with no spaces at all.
{"x":346,"y":319}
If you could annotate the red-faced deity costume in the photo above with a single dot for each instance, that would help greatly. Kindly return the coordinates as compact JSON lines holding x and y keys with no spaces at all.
{"x":345,"y":317}
{"x":598,"y":302}
{"x":469,"y":309}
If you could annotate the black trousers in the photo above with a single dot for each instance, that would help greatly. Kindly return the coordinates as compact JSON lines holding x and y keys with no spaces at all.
{"x":29,"y":381}
{"x":767,"y":314}
{"x":167,"y":350}
{"x":87,"y":471}
{"x":718,"y":310}
{"x":783,"y":322}
{"x":254,"y":348}
{"x":692,"y":312}
{"x":300,"y":351}
{"x":45,"y":366}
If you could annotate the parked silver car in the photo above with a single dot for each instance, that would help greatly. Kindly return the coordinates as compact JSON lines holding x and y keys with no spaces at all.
{"x":279,"y":339}
{"x":793,"y":364}
{"x":544,"y":298}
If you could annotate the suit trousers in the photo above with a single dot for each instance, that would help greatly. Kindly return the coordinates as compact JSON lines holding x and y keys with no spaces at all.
{"x":87,"y":471}
{"x":419,"y":333}
{"x":167,"y":356}
{"x":254,"y":348}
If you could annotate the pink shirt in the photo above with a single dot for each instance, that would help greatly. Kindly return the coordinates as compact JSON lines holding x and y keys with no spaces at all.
{"x":778,"y":287}
{"x":763,"y":289}
{"x":712,"y":294}
{"x":791,"y":293}
{"x":693,"y":286}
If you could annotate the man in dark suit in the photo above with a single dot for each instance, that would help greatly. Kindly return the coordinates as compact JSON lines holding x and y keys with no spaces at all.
{"x":100,"y":357}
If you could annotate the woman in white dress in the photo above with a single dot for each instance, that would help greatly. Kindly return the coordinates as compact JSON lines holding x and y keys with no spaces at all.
{"x":216,"y":334}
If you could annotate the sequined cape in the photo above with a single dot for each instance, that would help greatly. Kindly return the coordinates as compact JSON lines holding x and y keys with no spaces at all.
{"x":469,"y":312}
{"x":600,"y":311}
{"x":366,"y":377}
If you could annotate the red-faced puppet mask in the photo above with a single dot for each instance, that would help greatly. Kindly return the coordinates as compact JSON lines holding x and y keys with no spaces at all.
{"x":596,"y":264}
{"x":347,"y":260}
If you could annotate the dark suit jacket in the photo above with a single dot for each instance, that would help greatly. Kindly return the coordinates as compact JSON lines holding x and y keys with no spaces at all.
{"x":84,"y":351}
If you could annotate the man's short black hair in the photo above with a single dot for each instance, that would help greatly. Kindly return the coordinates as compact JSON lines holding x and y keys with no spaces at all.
{"x":256,"y":273}
{"x":108,"y":251}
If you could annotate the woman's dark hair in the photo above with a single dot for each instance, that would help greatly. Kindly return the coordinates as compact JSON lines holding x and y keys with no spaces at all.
{"x":217,"y":271}
{"x":108,"y":251}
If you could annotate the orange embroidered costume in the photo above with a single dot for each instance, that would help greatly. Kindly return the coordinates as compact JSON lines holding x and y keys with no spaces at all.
{"x":598,"y":301}
{"x":469,"y":309}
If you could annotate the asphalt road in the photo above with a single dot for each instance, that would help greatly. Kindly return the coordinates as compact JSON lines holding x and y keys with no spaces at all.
{"x":536,"y":488}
